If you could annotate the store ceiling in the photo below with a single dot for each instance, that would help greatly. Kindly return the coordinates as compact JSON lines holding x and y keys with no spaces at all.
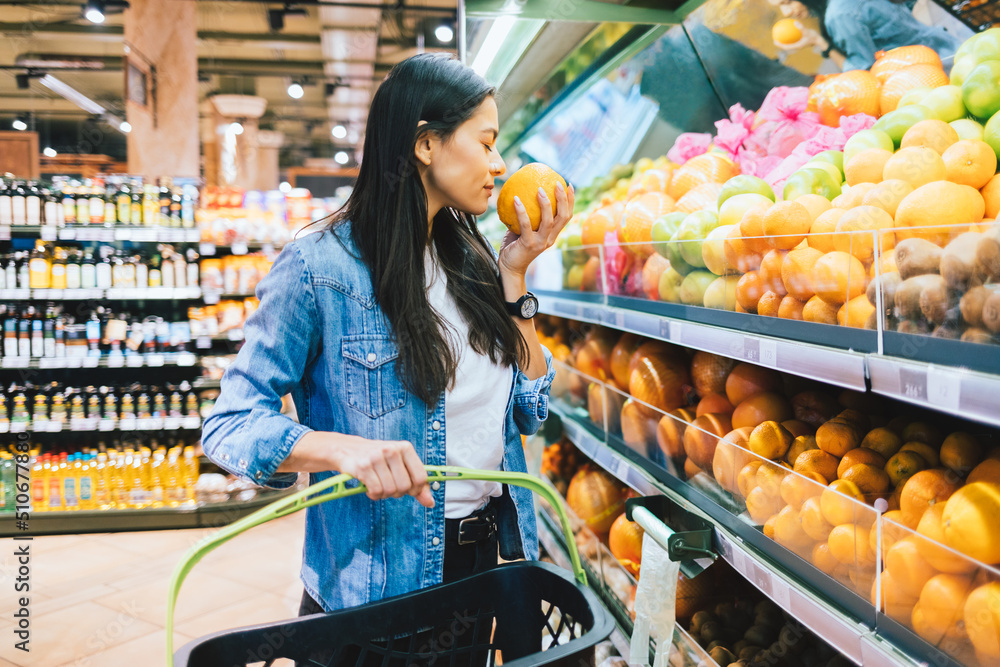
{"x":238,"y":51}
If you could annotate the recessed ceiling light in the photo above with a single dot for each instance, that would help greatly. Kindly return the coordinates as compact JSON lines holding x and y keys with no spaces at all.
{"x":19,"y":124}
{"x":48,"y":151}
{"x":444,"y":33}
{"x":295,"y":90}
{"x":341,"y":157}
{"x":339,"y":131}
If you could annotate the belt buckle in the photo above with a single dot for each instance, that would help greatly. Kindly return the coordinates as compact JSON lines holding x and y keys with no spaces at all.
{"x":461,"y":529}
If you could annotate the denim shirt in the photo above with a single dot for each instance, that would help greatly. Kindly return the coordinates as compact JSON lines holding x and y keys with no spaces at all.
{"x":860,"y":29}
{"x":319,"y":335}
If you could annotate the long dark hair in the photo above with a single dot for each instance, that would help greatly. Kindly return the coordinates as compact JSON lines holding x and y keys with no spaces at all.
{"x":388,"y":214}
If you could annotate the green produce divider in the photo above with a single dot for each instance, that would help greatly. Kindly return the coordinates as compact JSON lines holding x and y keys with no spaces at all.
{"x":336,"y":487}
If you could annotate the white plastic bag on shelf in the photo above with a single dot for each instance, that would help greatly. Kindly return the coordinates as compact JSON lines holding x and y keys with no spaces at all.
{"x":655,"y":605}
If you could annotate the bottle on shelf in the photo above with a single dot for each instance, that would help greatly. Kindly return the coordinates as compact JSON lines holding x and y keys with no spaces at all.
{"x":24,"y":333}
{"x":54,"y":499}
{"x":10,"y":273}
{"x":83,"y":203}
{"x":88,"y":271}
{"x":69,"y":204}
{"x":23,"y":270}
{"x":71,"y":480}
{"x":52,"y":211}
{"x":74,"y":269}
{"x":150,"y":205}
{"x":85,"y":480}
{"x":33,"y":204}
{"x":40,"y":267}
{"x":110,"y":204}
{"x":6,"y":208}
{"x":96,"y":203}
{"x":19,"y":204}
{"x":104,"y":269}
{"x":123,"y":204}
{"x":135,"y":215}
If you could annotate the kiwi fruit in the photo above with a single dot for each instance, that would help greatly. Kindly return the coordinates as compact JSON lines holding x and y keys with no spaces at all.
{"x":699,"y":619}
{"x":747,"y":653}
{"x":913,"y":327}
{"x":760,"y":634}
{"x":712,"y":645}
{"x":971,"y":303}
{"x":948,"y":331}
{"x":710,"y":632}
{"x":916,"y":257}
{"x":740,"y":645}
{"x":907,"y":296}
{"x":958,"y":260}
{"x":722,"y":655}
{"x":991,"y":313}
{"x":887,"y":282}
{"x":937,"y":302}
{"x":987,"y":256}
{"x":977,"y":335}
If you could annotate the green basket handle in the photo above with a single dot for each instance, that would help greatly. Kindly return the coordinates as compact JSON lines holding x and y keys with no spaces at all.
{"x":336,"y":487}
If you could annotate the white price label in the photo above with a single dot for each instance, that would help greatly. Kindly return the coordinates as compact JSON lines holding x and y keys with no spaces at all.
{"x":192,"y":235}
{"x":106,"y":235}
{"x":74,"y":362}
{"x":117,"y":361}
{"x":5,"y":233}
{"x":89,"y":362}
{"x":203,"y":342}
{"x":49,"y":233}
{"x":133,"y":361}
{"x":780,"y":592}
{"x":4,"y":427}
{"x":155,"y":424}
{"x":123,"y":234}
{"x":235,"y":334}
{"x":67,"y":234}
{"x":769,"y":353}
{"x":19,"y":427}
{"x":55,"y":427}
{"x":943,"y":387}
{"x":16,"y":362}
{"x":239,"y":248}
{"x":913,"y":384}
{"x":676,"y":329}
{"x":107,"y":425}
{"x":739,"y":561}
{"x":154,"y":360}
{"x":80,"y":425}
{"x":171,"y":423}
{"x":619,"y":319}
{"x":127,"y":424}
{"x":621,"y":469}
{"x":206,"y":249}
{"x":751,"y":350}
{"x":192,"y":422}
{"x":57,"y":294}
{"x":185,"y":359}
{"x":52,"y":362}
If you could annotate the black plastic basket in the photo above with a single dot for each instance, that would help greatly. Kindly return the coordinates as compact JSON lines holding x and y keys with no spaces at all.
{"x":517,"y":614}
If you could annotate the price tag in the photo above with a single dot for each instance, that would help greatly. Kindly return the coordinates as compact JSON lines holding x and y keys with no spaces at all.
{"x":5,"y":233}
{"x":590,"y":314}
{"x":665,"y":329}
{"x":19,"y":427}
{"x":192,"y":235}
{"x":57,"y":294}
{"x":55,"y":426}
{"x":117,"y":361}
{"x":127,"y":424}
{"x":174,"y":235}
{"x":40,"y":425}
{"x":123,"y":234}
{"x":725,"y":547}
{"x":154,"y":360}
{"x":74,"y":362}
{"x":67,"y":234}
{"x":235,"y":334}
{"x":114,"y":293}
{"x":106,"y":235}
{"x":16,"y":362}
{"x":171,"y":423}
{"x":133,"y":361}
{"x":40,"y":293}
{"x":769,"y":353}
{"x":943,"y":387}
{"x":80,"y":425}
{"x":4,"y":427}
{"x":676,"y":329}
{"x":22,"y":294}
{"x":761,"y":578}
{"x":206,"y":249}
{"x":621,"y":469}
{"x":185,"y":359}
{"x":203,"y":342}
{"x":155,"y":424}
{"x":52,"y":362}
{"x":739,"y":561}
{"x":239,"y":248}
{"x":751,"y":350}
{"x":107,"y":425}
{"x":780,"y":592}
{"x":192,"y":422}
{"x":913,"y":384}
{"x":49,"y":233}
{"x":89,"y":362}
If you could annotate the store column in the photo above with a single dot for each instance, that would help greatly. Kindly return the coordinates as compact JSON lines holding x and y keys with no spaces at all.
{"x":269,"y":144}
{"x":235,"y":150}
{"x":161,"y":74}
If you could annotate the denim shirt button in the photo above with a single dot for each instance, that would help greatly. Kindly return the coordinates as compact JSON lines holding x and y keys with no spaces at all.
{"x":224,"y":457}
{"x":258,"y":475}
{"x":436,"y":425}
{"x":436,"y":485}
{"x":372,"y":357}
{"x":436,"y":541}
{"x":243,"y":463}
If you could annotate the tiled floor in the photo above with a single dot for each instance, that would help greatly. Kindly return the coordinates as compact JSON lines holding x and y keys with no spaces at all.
{"x":101,"y":600}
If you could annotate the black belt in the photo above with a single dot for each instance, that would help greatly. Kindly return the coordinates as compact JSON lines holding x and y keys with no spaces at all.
{"x":477,"y":527}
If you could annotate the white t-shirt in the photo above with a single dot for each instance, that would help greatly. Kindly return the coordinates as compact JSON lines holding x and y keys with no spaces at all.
{"x":474,"y":408}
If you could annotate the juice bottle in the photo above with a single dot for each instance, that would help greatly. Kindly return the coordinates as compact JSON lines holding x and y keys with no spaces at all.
{"x":70,"y":480}
{"x":173,"y":483}
{"x":190,"y":474}
{"x":101,"y":480}
{"x":39,"y":485}
{"x":85,"y":477}
{"x":6,"y":483}
{"x":55,"y":499}
{"x":156,"y":476}
{"x":137,"y":490}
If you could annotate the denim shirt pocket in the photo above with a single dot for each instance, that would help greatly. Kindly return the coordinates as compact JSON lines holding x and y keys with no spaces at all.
{"x":370,"y":373}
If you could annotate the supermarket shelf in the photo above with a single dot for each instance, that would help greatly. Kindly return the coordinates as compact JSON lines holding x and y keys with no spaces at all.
{"x":113,"y":294}
{"x":206,"y":383}
{"x":211,"y":515}
{"x":212,"y":297}
{"x":103,"y":233}
{"x":840,"y":367}
{"x":132,"y":361}
{"x":957,"y":391}
{"x":103,"y":425}
{"x":750,"y":557}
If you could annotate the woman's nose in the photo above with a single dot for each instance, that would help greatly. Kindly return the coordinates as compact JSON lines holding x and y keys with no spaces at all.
{"x":498,"y":167}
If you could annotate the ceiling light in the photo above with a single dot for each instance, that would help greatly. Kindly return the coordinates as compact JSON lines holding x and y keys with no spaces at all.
{"x":341,"y":157}
{"x":444,"y":33}
{"x":339,"y":131}
{"x":285,"y":186}
{"x":236,"y":128}
{"x":93,"y":11}
{"x":491,"y":45}
{"x":48,"y":151}
{"x":295,"y":90}
{"x":125,"y":126}
{"x":72,"y":94}
{"x":19,"y":125}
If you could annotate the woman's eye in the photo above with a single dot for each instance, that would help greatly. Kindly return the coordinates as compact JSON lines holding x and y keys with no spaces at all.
{"x":487,"y":147}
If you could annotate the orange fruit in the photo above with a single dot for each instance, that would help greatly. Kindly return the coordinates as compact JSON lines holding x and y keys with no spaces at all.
{"x":823,"y":558}
{"x":893,"y":60}
{"x":908,"y":78}
{"x":752,"y":230}
{"x":987,"y":471}
{"x":872,"y":480}
{"x":730,"y":458}
{"x":939,"y":612}
{"x":853,"y":92}
{"x":887,"y":195}
{"x":706,"y":168}
{"x":853,"y":232}
{"x":657,"y":373}
{"x":907,"y":567}
{"x":796,"y":489}
{"x":761,"y":505}
{"x":817,"y":461}
{"x":856,"y":313}
{"x":524,"y":184}
{"x":713,"y":403}
{"x":802,"y":443}
{"x":917,"y":165}
{"x":991,"y":197}
{"x":838,"y":277}
{"x":811,"y":516}
{"x":859,"y":455}
{"x":820,"y":233}
{"x":769,"y":304}
{"x":651,"y":180}
{"x":770,"y":440}
{"x":788,"y":530}
{"x":700,"y":198}
{"x":749,"y":289}
{"x":598,"y":224}
{"x":739,"y":254}
{"x":895,"y":603}
{"x":930,"y":542}
{"x":842,"y":502}
{"x":892,"y":531}
{"x":924,"y":489}
{"x":625,"y":540}
{"x":819,"y":311}
{"x":638,"y":217}
{"x":621,"y":356}
{"x":746,"y":380}
{"x":883,"y":441}
{"x":770,"y":272}
{"x":786,"y":31}
{"x":746,"y":480}
{"x":922,"y":213}
{"x":903,"y":465}
{"x":960,"y":453}
{"x":790,"y":308}
{"x":849,"y":545}
{"x":867,"y":166}
{"x":970,"y":162}
{"x":852,"y":195}
{"x":769,"y":478}
{"x":932,"y":133}
{"x":970,"y":521}
{"x":815,"y":204}
{"x":981,"y":615}
{"x":797,"y":272}
{"x":761,"y":407}
{"x":927,"y":453}
{"x":768,"y":527}
{"x":923,"y":432}
{"x":786,"y":224}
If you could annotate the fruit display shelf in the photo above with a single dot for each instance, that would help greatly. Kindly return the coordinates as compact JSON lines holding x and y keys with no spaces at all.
{"x":955,"y":390}
{"x":793,"y":588}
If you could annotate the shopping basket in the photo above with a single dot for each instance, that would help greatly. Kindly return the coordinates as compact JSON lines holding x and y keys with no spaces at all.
{"x":525,"y":613}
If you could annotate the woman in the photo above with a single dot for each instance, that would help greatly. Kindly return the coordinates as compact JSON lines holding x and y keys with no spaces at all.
{"x":392,"y":329}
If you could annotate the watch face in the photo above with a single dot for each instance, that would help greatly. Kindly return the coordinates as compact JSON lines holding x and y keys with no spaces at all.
{"x":529,"y":308}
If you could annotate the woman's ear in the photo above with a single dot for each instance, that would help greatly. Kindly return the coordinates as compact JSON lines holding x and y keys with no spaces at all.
{"x":425,"y":146}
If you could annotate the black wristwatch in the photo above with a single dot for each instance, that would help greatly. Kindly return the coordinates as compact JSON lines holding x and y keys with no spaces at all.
{"x":526,"y":307}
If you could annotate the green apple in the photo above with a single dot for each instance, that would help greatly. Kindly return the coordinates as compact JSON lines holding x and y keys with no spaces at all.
{"x":691,"y":233}
{"x":836,"y":158}
{"x":981,"y":89}
{"x":574,"y":279}
{"x":744,"y":184}
{"x":896,"y":123}
{"x":573,"y":254}
{"x":991,"y":133}
{"x":808,"y":181}
{"x":670,"y":285}
{"x":987,"y":47}
{"x":864,"y":140}
{"x":960,"y":70}
{"x":721,"y":294}
{"x":663,"y":230}
{"x":713,"y":249}
{"x":692,"y":290}
{"x":966,"y":49}
{"x":734,"y":208}
{"x":945,"y":103}
{"x":836,"y":174}
{"x":914,"y":96}
{"x":968,"y":128}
